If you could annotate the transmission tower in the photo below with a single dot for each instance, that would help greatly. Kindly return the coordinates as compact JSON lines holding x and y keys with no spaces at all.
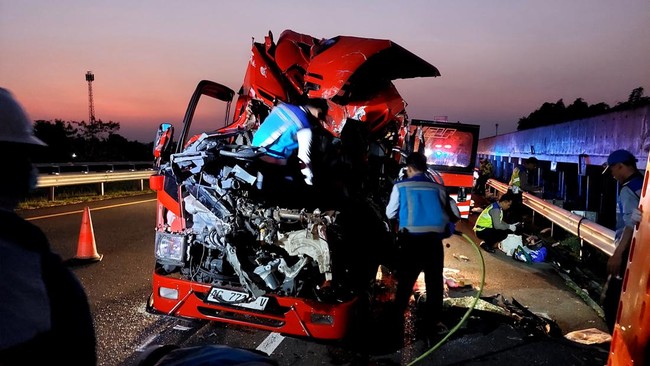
{"x":90,"y":77}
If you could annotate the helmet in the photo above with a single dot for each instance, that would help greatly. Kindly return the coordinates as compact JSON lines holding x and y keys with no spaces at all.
{"x":15,"y":126}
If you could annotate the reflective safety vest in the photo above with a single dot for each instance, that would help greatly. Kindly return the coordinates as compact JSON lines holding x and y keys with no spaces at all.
{"x":484,"y":220}
{"x":278,"y":131}
{"x":515,"y":181}
{"x":420,"y":205}
{"x":514,"y":178}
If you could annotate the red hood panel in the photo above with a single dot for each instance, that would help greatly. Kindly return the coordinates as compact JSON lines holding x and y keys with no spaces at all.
{"x":344,"y":57}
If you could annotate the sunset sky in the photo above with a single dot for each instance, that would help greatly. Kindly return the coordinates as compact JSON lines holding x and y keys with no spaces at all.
{"x":499,"y":60}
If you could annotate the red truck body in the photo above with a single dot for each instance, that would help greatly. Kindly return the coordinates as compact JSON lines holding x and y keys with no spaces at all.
{"x":223,"y":252}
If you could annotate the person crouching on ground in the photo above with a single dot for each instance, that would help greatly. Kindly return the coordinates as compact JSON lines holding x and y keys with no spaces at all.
{"x":490,"y":227}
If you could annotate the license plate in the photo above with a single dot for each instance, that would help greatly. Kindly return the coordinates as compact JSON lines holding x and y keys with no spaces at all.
{"x":236,"y":298}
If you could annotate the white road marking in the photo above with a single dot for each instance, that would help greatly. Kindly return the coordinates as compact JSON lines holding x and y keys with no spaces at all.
{"x":81,"y":211}
{"x":181,"y":327}
{"x":270,"y":343}
{"x":146,"y":343}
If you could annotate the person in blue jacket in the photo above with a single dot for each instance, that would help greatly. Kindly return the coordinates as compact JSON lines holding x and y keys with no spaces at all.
{"x":417,"y":204}
{"x":622,"y":165}
{"x":288,"y":130}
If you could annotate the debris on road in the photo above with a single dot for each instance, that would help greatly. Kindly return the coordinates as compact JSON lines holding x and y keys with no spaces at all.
{"x":589,"y":336}
{"x":461,"y":257}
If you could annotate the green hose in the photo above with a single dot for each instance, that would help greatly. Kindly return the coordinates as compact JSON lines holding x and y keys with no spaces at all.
{"x":469,"y":311}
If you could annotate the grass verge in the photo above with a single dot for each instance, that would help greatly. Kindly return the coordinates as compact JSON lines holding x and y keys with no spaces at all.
{"x":79,"y":194}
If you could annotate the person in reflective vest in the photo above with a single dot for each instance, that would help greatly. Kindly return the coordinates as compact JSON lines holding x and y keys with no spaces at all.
{"x":490,"y":226}
{"x":285,"y":175}
{"x":519,"y":183}
{"x":419,"y":205}
{"x":519,"y":180}
{"x":287,"y":129}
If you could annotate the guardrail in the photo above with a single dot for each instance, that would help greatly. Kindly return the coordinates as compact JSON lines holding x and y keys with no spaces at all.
{"x":594,"y":234}
{"x":69,"y":179}
{"x":94,"y":166}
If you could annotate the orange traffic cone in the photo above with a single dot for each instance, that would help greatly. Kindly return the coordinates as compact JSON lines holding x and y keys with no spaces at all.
{"x":87,"y":249}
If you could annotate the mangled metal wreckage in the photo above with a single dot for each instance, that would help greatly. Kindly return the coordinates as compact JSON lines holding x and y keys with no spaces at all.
{"x":227,"y":251}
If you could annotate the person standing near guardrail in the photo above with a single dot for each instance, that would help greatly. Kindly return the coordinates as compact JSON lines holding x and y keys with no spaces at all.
{"x":519,"y":183}
{"x":44,"y":312}
{"x":622,"y":165}
{"x":485,"y":171}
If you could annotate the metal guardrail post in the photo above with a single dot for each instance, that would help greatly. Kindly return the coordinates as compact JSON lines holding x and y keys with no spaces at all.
{"x":594,"y":234}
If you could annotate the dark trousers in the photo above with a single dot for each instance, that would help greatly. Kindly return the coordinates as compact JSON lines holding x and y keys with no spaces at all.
{"x":481,"y":181}
{"x":423,"y":252}
{"x":613,"y":294}
{"x":492,"y":236}
{"x":516,"y":210}
{"x":283,"y":185}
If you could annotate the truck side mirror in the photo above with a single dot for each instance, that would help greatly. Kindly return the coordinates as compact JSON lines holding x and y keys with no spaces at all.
{"x":162,"y":143}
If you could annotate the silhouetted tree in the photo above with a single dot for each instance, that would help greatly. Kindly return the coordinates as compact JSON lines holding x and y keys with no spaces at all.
{"x":89,"y":142}
{"x":93,"y":136}
{"x":598,"y":109}
{"x":547,"y":114}
{"x":59,"y":136}
{"x":553,"y":113}
{"x":577,"y":110}
{"x":635,"y":99}
{"x":97,"y":129}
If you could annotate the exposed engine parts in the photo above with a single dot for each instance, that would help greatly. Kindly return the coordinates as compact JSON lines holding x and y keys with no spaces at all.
{"x":232,"y":238}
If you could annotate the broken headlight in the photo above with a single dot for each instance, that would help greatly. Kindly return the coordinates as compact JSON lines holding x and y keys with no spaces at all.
{"x":170,"y":248}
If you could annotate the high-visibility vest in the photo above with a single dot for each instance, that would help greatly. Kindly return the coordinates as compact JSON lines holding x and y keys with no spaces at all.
{"x":515,"y":181}
{"x":420,"y":205}
{"x":484,"y":220}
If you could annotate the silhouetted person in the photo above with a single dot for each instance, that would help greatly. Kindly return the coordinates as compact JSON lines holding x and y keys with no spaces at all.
{"x":485,"y":171}
{"x":45,"y":318}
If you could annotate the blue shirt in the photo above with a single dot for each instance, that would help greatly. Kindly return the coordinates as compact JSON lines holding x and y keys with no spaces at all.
{"x":627,"y":200}
{"x":417,"y":203}
{"x":278,"y":131}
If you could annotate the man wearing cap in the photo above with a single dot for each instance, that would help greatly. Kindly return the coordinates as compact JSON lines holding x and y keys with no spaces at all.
{"x":44,"y":313}
{"x":622,"y":165}
{"x":417,"y":203}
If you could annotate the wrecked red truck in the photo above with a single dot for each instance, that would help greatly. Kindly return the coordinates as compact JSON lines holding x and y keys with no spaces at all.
{"x":223,"y":250}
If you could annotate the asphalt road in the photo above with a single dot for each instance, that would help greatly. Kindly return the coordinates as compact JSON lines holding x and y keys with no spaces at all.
{"x":119,"y":285}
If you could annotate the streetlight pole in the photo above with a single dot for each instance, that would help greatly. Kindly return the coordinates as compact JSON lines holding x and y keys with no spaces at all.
{"x":496,"y":125}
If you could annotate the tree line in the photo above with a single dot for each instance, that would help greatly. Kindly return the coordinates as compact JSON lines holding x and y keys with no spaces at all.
{"x":554,"y":113}
{"x":94,"y":141}
{"x":98,"y":141}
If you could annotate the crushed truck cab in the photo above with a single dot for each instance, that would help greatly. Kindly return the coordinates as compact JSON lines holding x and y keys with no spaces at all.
{"x":296,"y":261}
